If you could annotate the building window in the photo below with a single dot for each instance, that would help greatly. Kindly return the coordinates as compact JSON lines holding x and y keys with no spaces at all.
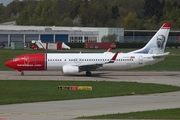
{"x":90,"y":38}
{"x":78,"y":39}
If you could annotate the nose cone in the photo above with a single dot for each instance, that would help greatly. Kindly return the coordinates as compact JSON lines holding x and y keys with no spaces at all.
{"x":9,"y":63}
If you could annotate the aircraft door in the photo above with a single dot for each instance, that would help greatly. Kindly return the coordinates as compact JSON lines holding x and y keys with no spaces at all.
{"x":26,"y":60}
{"x":78,"y":60}
{"x":140,"y":59}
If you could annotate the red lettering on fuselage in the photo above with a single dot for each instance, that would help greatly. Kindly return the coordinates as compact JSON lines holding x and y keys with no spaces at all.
{"x":28,"y":62}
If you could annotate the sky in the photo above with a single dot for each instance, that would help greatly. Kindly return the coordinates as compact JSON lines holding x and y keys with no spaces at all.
{"x":5,"y":2}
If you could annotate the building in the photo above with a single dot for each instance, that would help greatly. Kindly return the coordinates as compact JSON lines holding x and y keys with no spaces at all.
{"x":53,"y":34}
{"x":146,"y":35}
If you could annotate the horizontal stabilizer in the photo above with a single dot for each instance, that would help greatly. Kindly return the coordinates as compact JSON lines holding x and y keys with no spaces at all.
{"x":161,"y":55}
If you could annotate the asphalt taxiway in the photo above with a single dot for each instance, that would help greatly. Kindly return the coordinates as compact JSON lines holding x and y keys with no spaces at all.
{"x":70,"y":109}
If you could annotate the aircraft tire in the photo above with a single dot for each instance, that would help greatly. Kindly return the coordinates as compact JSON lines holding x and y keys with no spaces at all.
{"x":22,"y":73}
{"x":88,"y":73}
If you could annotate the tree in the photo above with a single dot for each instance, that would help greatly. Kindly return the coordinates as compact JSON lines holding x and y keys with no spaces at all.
{"x":141,"y":14}
{"x":173,"y":14}
{"x":94,"y":15}
{"x":115,"y":12}
{"x":130,"y":21}
{"x":45,"y":10}
{"x":178,"y":23}
{"x":74,"y":8}
{"x":23,"y":19}
{"x":152,"y":7}
{"x":154,"y":19}
{"x":13,"y":9}
{"x":67,"y":22}
{"x":136,"y":7}
{"x":1,"y":11}
{"x":26,"y":16}
{"x":109,"y":38}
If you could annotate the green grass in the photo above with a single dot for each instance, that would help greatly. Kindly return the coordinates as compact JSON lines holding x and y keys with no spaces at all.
{"x":33,"y":91}
{"x":155,"y":114}
{"x":171,"y":63}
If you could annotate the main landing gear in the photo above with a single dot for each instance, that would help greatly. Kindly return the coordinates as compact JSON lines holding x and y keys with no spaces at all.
{"x":88,"y":73}
{"x":22,"y":73}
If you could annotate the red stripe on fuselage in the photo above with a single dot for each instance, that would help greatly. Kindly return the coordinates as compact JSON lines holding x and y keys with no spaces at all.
{"x":29,"y":62}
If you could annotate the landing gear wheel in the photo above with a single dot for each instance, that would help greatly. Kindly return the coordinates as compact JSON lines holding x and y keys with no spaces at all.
{"x":88,"y":73}
{"x":22,"y":73}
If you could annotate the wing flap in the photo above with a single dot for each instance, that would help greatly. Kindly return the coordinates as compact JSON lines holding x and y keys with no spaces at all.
{"x":91,"y":67}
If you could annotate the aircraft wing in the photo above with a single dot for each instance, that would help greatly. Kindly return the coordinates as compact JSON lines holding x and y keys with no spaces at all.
{"x":160,"y":55}
{"x":92,"y":67}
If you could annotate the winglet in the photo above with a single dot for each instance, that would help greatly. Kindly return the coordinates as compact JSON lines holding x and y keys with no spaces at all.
{"x":109,"y":50}
{"x":113,"y":58}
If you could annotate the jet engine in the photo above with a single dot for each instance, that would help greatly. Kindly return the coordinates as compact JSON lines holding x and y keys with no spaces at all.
{"x":70,"y":69}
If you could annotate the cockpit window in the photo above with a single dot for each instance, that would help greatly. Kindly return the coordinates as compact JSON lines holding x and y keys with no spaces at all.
{"x":15,"y":59}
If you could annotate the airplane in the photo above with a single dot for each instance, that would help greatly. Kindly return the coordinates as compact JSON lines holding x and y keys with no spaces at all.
{"x":74,"y":63}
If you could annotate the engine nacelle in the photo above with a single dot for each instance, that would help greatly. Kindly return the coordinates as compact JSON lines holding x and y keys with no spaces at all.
{"x":67,"y":69}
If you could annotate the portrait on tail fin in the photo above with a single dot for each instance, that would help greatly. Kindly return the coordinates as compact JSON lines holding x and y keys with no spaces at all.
{"x":160,"y":41}
{"x":157,"y":43}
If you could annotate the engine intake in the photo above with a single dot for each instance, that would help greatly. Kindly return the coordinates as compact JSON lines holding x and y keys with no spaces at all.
{"x":70,"y":69}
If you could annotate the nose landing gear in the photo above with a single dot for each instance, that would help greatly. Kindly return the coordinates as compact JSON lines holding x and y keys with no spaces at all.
{"x":88,"y":73}
{"x":22,"y":73}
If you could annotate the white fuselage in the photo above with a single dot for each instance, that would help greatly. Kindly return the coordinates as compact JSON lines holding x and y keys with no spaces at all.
{"x":123,"y":61}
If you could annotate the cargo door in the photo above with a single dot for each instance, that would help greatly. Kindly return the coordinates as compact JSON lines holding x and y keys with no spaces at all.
{"x":140,"y":59}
